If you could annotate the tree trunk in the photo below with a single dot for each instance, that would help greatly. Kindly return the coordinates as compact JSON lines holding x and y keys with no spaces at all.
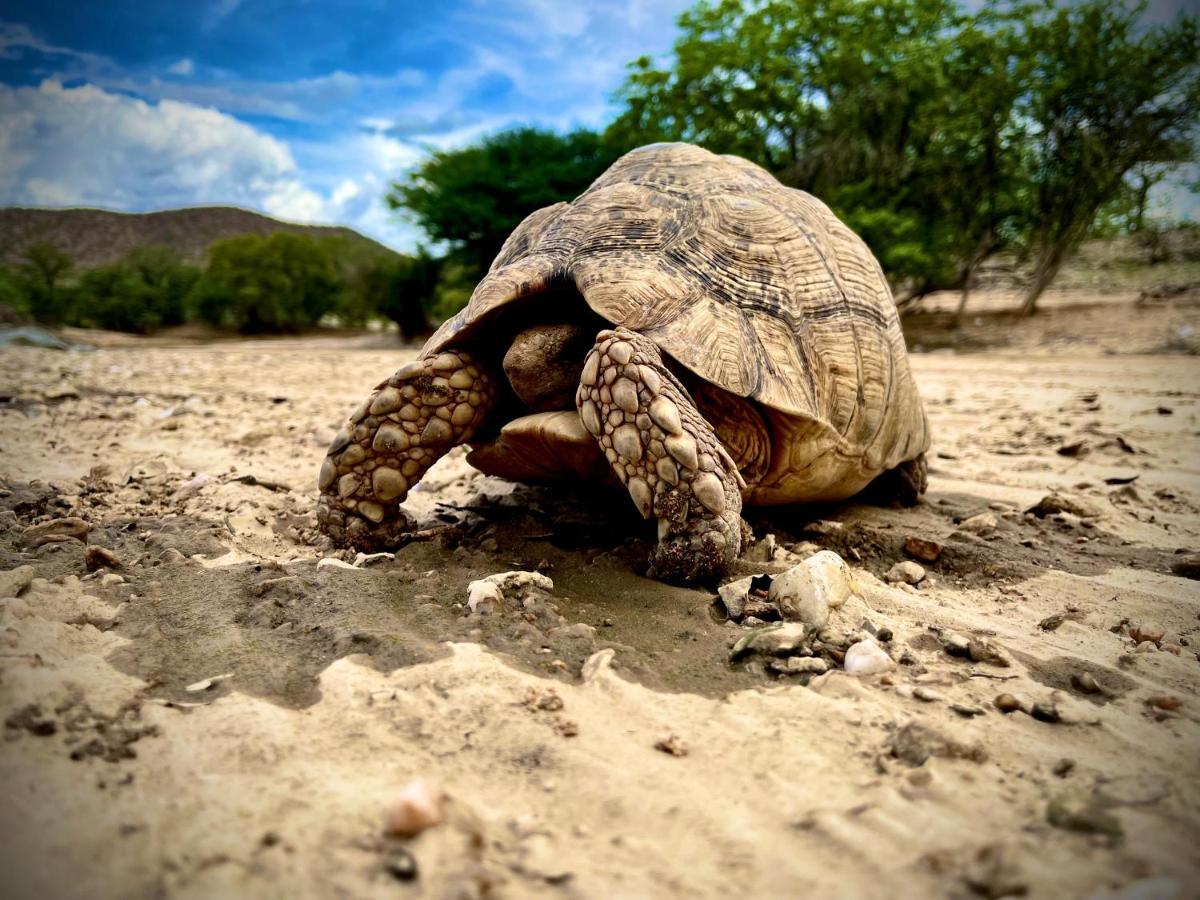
{"x":1048,"y":265}
{"x":962,"y":303}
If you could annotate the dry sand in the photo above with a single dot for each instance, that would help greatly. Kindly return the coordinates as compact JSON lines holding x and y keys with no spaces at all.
{"x":540,"y":721}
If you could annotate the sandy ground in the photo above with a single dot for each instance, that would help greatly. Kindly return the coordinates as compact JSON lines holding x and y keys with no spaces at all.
{"x":539,"y":719}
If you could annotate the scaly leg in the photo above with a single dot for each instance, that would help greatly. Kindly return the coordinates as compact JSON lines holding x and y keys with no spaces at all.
{"x":665,"y":453}
{"x":403,"y":428}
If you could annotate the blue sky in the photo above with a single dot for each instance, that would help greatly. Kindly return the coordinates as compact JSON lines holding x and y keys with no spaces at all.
{"x":305,"y":110}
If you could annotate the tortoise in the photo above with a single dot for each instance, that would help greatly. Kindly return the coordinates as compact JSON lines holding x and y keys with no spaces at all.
{"x":688,"y":325}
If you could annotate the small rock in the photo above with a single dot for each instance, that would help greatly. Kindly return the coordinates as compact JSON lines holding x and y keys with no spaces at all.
{"x":907,"y":572}
{"x":332,"y":562}
{"x":1086,"y":683}
{"x":1045,"y":712}
{"x":923,"y":548}
{"x":1064,"y":767}
{"x":779,"y":639}
{"x":967,"y":712}
{"x":1006,"y":703}
{"x":995,"y":872}
{"x":801,"y":665}
{"x":69,"y":528}
{"x":927,"y":695}
{"x":1146,"y":647}
{"x":1164,"y":701}
{"x":956,"y":644}
{"x":984,"y":651}
{"x":732,"y":597}
{"x":867,"y":658}
{"x":362,"y":560}
{"x":672,"y":745}
{"x":401,"y":864}
{"x":982,"y":524}
{"x":809,"y":590}
{"x":207,"y":683}
{"x":15,"y":580}
{"x":416,"y":808}
{"x":100,"y":558}
{"x":1075,"y":812}
{"x":1147,"y":631}
{"x":915,"y":743}
{"x":1187,"y":567}
{"x":1054,"y":503}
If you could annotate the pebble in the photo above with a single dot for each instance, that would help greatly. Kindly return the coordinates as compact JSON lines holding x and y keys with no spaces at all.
{"x":1147,"y":631}
{"x":672,"y":745}
{"x":69,"y":528}
{"x":733,"y":596}
{"x":1006,"y":703}
{"x":417,"y":807}
{"x":967,"y":712}
{"x":1075,"y":812}
{"x":1045,"y":712}
{"x":1165,"y":701}
{"x":906,"y":572}
{"x":923,"y":548}
{"x":763,"y":639}
{"x":982,"y":524}
{"x":332,"y":562}
{"x":1064,"y":767}
{"x":1187,"y":567}
{"x":15,"y":580}
{"x":983,"y":651}
{"x":401,"y":864}
{"x":956,"y":644}
{"x":867,"y":658}
{"x":1086,"y":683}
{"x":801,"y":665}
{"x":100,"y":558}
{"x":927,"y":695}
{"x":808,"y":591}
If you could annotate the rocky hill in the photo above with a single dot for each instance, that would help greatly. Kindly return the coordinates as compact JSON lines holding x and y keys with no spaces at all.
{"x":94,"y":237}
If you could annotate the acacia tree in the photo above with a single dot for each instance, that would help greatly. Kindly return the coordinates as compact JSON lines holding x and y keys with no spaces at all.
{"x":1107,"y":96}
{"x":42,"y":271}
{"x":472,"y":198}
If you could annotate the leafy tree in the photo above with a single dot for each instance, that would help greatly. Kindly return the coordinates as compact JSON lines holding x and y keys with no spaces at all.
{"x":1108,"y":95}
{"x":471,"y":199}
{"x":42,"y":271}
{"x":403,"y":289}
{"x":278,"y":282}
{"x":142,"y":293}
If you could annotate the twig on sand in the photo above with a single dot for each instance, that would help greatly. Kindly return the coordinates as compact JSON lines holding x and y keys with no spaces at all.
{"x":255,"y":481}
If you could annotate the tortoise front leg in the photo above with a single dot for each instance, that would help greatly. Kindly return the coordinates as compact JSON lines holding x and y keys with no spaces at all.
{"x":665,"y":453}
{"x":407,"y":424}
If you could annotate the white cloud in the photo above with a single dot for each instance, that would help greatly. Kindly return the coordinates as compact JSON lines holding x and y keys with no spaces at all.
{"x":184,"y":66}
{"x":84,"y":146}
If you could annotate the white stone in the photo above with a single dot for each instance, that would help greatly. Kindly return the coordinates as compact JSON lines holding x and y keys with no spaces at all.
{"x":867,"y":658}
{"x":907,"y":572}
{"x":808,"y":591}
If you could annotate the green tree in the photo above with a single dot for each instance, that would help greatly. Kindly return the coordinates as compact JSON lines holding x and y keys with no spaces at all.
{"x":403,"y":289}
{"x":471,"y":199}
{"x":277,"y":282}
{"x":1108,"y":96}
{"x":141,"y":293}
{"x":42,"y":270}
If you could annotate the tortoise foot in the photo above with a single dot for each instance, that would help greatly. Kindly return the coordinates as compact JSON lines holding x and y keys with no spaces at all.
{"x":407,"y":424}
{"x":666,"y":455}
{"x":901,"y":486}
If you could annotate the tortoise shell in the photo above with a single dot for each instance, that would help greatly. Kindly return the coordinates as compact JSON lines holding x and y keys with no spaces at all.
{"x":756,"y":288}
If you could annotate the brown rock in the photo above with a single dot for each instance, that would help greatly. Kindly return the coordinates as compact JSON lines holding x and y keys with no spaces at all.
{"x":1006,"y":703}
{"x":1165,"y":701}
{"x":672,"y":745}
{"x":70,"y":528}
{"x":922,"y":548}
{"x":100,"y":558}
{"x":1147,"y":631}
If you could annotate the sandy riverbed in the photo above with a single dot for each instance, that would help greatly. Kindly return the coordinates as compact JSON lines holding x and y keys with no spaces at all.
{"x":348,"y":683}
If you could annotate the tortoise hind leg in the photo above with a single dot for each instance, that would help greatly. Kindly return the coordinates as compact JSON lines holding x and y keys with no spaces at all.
{"x":666,"y":455}
{"x":407,"y":424}
{"x":901,"y":486}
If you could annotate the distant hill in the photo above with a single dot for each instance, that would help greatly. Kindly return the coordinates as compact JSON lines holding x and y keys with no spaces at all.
{"x":95,"y":237}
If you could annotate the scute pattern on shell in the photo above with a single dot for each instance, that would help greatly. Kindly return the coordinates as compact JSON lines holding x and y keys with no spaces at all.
{"x":753,"y":286}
